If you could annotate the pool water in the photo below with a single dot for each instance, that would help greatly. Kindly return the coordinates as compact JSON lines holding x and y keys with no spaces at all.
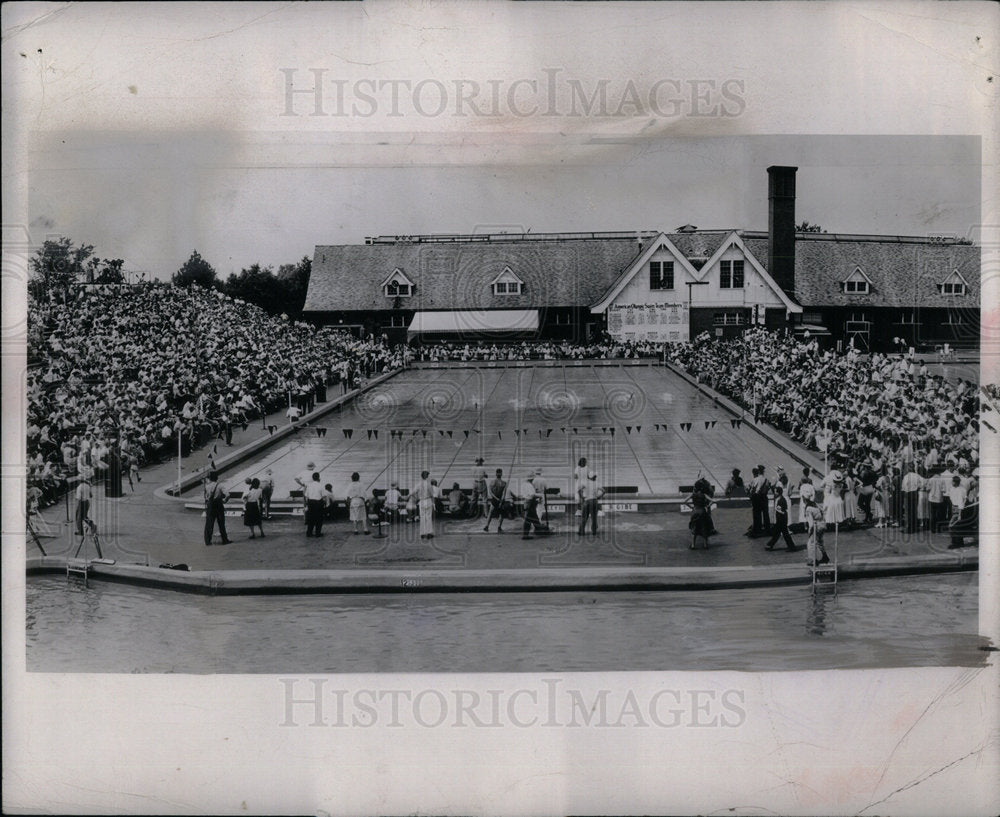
{"x":905,"y":621}
{"x":519,"y":420}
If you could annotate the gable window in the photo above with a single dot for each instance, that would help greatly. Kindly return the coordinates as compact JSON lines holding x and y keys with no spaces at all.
{"x":731,"y":274}
{"x":857,"y":283}
{"x":661,"y":274}
{"x":397,"y":285}
{"x":507,"y":283}
{"x":954,"y":284}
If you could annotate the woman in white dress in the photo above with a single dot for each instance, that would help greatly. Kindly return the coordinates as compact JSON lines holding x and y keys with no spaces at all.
{"x":807,"y":492}
{"x":924,"y":505}
{"x":833,"y":500}
{"x":850,"y":496}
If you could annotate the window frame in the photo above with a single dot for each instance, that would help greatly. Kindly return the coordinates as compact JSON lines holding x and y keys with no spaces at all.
{"x":510,"y":287}
{"x":739,"y":318}
{"x":658,"y":275}
{"x":398,"y":280}
{"x":742,"y":274}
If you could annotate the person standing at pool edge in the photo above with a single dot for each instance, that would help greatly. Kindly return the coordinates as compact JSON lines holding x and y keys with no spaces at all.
{"x":314,"y":506}
{"x":252,"y":514}
{"x":266,"y":491}
{"x":356,"y":496}
{"x":498,"y":495}
{"x":303,"y":478}
{"x":425,"y":496}
{"x":780,"y":527}
{"x":83,"y":494}
{"x":590,"y":493}
{"x":479,"y":495}
{"x":215,"y":509}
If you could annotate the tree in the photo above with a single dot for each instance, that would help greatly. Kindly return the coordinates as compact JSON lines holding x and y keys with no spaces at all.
{"x":256,"y":285}
{"x":295,"y":281}
{"x":284,"y":292}
{"x":105,"y":271}
{"x":806,"y":227}
{"x":56,"y":267}
{"x":196,"y":270}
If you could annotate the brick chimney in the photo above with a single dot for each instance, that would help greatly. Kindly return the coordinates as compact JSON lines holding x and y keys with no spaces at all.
{"x":781,"y":226}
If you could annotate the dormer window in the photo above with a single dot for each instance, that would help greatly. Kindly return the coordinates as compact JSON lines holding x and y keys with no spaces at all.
{"x":954,"y":284}
{"x":507,"y":283}
{"x":397,"y":285}
{"x":857,"y":283}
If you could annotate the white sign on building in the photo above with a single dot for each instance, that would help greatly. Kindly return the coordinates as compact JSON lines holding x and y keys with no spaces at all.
{"x":649,"y":322}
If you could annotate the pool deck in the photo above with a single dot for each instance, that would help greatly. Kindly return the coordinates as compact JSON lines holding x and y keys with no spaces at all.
{"x":642,"y":549}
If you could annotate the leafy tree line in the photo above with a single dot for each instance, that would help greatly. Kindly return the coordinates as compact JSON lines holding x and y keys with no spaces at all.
{"x":60,"y":265}
{"x":281,"y":292}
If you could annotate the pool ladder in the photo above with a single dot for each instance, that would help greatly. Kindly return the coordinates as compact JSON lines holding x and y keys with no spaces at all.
{"x":80,"y":568}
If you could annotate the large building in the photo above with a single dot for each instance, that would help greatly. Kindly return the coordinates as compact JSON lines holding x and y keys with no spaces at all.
{"x":877,"y":292}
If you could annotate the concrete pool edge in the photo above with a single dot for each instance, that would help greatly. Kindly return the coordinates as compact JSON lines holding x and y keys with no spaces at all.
{"x":437,"y":580}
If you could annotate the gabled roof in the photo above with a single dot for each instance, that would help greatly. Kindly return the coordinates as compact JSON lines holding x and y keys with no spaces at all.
{"x":399,"y":275}
{"x":954,"y":274}
{"x":662,"y":241}
{"x":734,"y":238}
{"x":580,"y":272}
{"x":855,"y":274}
{"x":507,"y":273}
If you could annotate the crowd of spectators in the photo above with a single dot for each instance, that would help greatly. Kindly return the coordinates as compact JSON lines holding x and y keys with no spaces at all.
{"x":604,"y":347}
{"x":875,"y":417}
{"x":121,"y":371}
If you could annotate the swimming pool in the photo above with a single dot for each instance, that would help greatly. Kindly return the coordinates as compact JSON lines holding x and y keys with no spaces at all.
{"x":642,"y":427}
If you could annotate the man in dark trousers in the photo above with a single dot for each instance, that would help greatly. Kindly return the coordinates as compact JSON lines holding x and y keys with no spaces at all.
{"x":215,"y":509}
{"x":911,"y":485}
{"x":532,"y":500}
{"x":590,"y":494}
{"x":780,"y":527}
{"x":497,"y":495}
{"x":759,"y":488}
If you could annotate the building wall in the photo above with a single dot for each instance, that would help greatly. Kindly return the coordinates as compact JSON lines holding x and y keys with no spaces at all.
{"x":704,"y":319}
{"x":923,"y":328}
{"x":637,"y":290}
{"x":755,"y":289}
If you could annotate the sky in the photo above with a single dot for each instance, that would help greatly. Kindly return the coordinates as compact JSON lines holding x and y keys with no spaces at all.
{"x":244,"y":198}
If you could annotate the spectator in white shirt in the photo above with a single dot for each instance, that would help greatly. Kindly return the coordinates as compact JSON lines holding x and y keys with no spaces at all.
{"x":958,"y":495}
{"x":911,"y":485}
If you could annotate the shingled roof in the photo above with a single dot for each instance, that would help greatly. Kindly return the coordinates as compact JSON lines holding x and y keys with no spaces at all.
{"x":577,"y":272}
{"x":458,"y":275}
{"x":901,"y":273}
